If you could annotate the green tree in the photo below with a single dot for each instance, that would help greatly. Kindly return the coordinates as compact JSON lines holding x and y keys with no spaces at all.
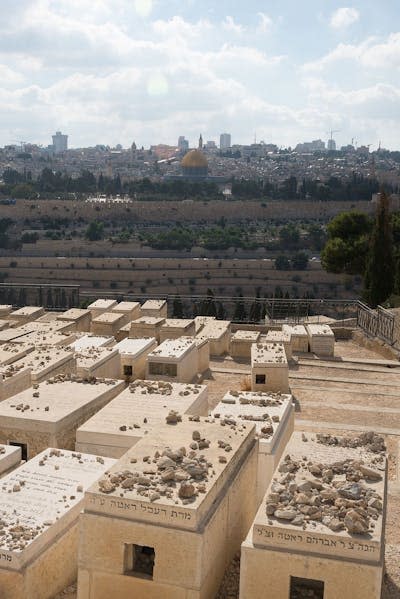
{"x":379,"y":273}
{"x":347,"y":245}
{"x":300,"y":261}
{"x":289,"y":237}
{"x":94,"y":231}
{"x":177,"y":307}
{"x":282,"y":263}
{"x":239,"y":314}
{"x":208,"y":306}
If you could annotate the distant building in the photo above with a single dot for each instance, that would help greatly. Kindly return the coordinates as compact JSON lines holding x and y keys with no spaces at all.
{"x":317,"y":145}
{"x":183,"y":144}
{"x":211,"y":145}
{"x":225,"y":141}
{"x":60,"y":142}
{"x":331,"y":145}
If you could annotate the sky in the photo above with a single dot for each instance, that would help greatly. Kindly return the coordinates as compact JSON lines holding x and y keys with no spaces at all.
{"x":118,"y":71}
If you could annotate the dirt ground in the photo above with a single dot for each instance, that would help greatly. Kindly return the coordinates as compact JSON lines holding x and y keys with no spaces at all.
{"x":352,"y":398}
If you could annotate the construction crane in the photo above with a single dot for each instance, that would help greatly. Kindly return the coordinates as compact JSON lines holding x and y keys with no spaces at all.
{"x":331,"y":132}
{"x":21,"y":143}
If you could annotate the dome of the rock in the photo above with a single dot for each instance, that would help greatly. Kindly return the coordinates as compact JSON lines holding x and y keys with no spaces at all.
{"x":194,"y":159}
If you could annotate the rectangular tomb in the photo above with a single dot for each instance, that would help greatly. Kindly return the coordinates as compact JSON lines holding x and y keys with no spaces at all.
{"x":133,"y":357}
{"x":85,"y":342}
{"x":163,"y":524}
{"x":130,"y":309}
{"x":241,"y":342}
{"x":46,"y":337}
{"x":100,"y":306}
{"x":47,"y":361}
{"x":203,"y":354}
{"x":27,"y":314}
{"x":11,"y":352}
{"x":136,"y":412}
{"x":218,"y":332}
{"x":273,"y":416}
{"x":49,"y":414}
{"x":108,"y":323}
{"x":319,"y":531}
{"x":269,"y":368}
{"x":146,"y":326}
{"x":155,"y":308}
{"x":299,"y":337}
{"x":98,"y":362}
{"x":321,"y":339}
{"x":42,"y":500}
{"x":10,"y":458}
{"x":5,"y":310}
{"x":174,"y":359}
{"x":14,"y":378}
{"x":283,"y":337}
{"x":177,"y":327}
{"x":79,"y":317}
{"x":123,"y":332}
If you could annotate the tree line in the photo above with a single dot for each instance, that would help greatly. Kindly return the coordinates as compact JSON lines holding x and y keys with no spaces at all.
{"x":24,"y":185}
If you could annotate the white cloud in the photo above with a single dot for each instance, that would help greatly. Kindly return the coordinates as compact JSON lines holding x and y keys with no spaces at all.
{"x":229,"y":24}
{"x":369,"y":54}
{"x":265,"y":22}
{"x":344,"y":17}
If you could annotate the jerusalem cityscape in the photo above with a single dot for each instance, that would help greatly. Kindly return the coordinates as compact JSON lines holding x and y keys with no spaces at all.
{"x":199,"y":300}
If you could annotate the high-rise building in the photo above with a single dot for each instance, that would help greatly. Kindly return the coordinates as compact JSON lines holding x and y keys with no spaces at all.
{"x":331,"y":145}
{"x":60,"y":142}
{"x":225,"y":141}
{"x":183,"y":144}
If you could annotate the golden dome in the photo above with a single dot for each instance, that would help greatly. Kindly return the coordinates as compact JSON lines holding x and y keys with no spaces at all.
{"x":194,"y":159}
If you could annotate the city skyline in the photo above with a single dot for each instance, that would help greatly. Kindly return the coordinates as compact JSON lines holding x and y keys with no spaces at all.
{"x":116,"y":72}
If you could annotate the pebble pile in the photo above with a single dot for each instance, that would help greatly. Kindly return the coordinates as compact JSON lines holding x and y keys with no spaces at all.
{"x":337,"y":495}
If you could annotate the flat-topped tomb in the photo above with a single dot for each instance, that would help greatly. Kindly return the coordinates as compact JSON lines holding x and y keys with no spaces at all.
{"x":27,"y":313}
{"x":327,"y":502}
{"x":156,"y":308}
{"x":98,"y":362}
{"x":133,"y":356}
{"x":177,"y":327}
{"x":14,"y":377}
{"x":241,"y":342}
{"x":100,"y":306}
{"x":137,"y":411}
{"x":40,"y":504}
{"x":11,"y":352}
{"x":80,"y":317}
{"x":269,"y":368}
{"x":130,"y":309}
{"x":273,"y":416}
{"x":168,"y":517}
{"x":5,"y":310}
{"x":218,"y":332}
{"x":108,"y":323}
{"x":146,"y":326}
{"x":49,"y":413}
{"x":10,"y":458}
{"x":321,"y":340}
{"x":174,"y":359}
{"x":299,"y":337}
{"x":281,"y":337}
{"x":46,"y":361}
{"x":87,"y":341}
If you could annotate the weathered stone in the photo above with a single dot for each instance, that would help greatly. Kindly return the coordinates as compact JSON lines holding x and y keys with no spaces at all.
{"x":285,"y":514}
{"x":186,"y":491}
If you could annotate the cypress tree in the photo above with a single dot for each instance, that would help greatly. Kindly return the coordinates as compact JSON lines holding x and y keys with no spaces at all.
{"x":379,"y":273}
